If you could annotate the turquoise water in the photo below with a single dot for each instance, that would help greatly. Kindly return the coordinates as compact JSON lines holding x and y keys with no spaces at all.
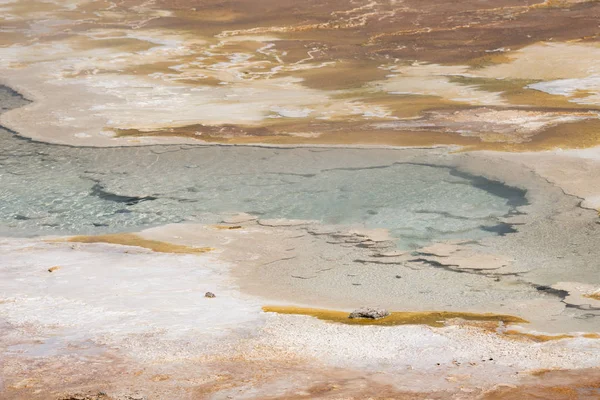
{"x":48,"y":189}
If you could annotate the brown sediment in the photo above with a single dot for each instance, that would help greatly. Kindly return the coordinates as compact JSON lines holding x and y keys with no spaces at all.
{"x":61,"y":380}
{"x":515,"y":91}
{"x":345,"y":74}
{"x":571,"y":135}
{"x":502,"y":26}
{"x":131,"y":239}
{"x":411,"y":105}
{"x":541,"y":372}
{"x":378,"y":137}
{"x":582,"y":384}
{"x":343,"y":389}
{"x":494,"y":58}
{"x":568,"y":135}
{"x":12,"y":38}
{"x":430,"y":318}
{"x":118,"y":43}
{"x":301,"y":380}
{"x":332,"y":50}
{"x":360,"y":30}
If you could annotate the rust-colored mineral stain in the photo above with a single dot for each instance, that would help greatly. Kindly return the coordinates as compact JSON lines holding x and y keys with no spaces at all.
{"x":430,"y":318}
{"x":131,"y":239}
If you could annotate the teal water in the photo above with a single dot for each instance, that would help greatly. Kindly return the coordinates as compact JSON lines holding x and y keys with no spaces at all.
{"x":51,"y":189}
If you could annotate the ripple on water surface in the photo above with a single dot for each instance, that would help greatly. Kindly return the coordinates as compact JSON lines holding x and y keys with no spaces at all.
{"x":50,"y":189}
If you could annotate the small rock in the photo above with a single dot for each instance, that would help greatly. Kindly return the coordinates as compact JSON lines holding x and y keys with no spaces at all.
{"x":52,"y":269}
{"x":371,"y":313}
{"x":210,"y":295}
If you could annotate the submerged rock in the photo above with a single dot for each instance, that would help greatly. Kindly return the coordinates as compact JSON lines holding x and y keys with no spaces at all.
{"x":371,"y":313}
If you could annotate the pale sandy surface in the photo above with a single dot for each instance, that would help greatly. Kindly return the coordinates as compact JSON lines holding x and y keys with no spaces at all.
{"x":574,"y":171}
{"x":115,"y":308}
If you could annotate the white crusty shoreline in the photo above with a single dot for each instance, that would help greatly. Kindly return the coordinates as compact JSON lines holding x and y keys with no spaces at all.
{"x":145,"y":314}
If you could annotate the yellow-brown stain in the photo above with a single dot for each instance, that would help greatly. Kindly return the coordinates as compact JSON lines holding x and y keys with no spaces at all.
{"x":535,"y":337}
{"x":541,"y":338}
{"x":160,"y":378}
{"x":572,"y":135}
{"x":430,"y":318}
{"x":342,"y":135}
{"x":343,"y":75}
{"x":593,"y":296}
{"x":131,"y":239}
{"x":516,"y":92}
{"x":55,"y":268}
{"x":580,"y":134}
{"x":410,"y":105}
{"x":489,"y":59}
{"x":541,"y":372}
{"x":227,"y":227}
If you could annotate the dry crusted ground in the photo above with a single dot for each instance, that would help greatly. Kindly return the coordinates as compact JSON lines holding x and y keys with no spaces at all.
{"x":503,"y":75}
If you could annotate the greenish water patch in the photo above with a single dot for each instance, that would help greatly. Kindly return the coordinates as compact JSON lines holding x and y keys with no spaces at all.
{"x":50,"y":189}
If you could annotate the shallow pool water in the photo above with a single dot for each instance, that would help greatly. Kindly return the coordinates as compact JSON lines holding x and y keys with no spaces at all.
{"x":49,"y":189}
